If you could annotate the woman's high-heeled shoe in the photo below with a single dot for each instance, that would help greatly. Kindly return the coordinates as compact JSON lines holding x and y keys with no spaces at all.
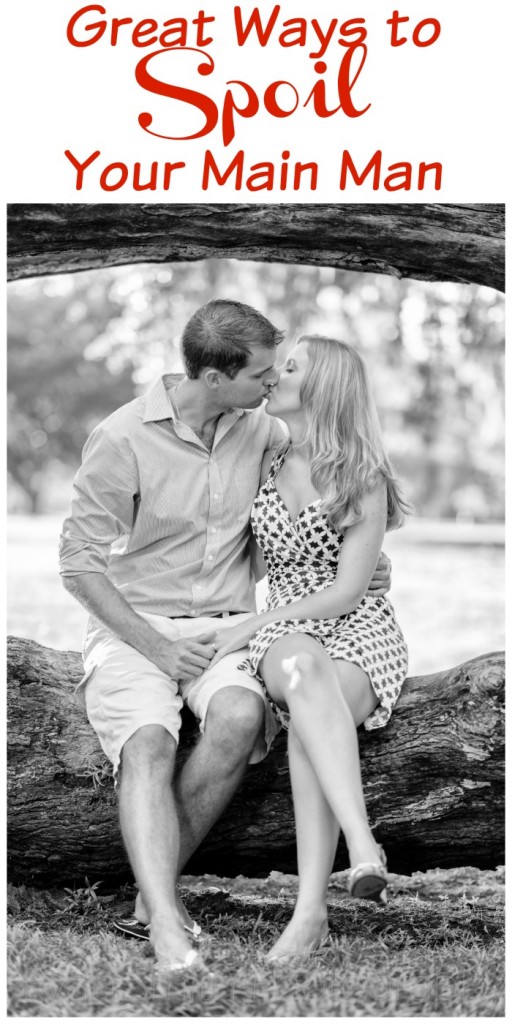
{"x":369,"y":881}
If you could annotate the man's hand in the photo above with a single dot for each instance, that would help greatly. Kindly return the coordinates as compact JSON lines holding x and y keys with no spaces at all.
{"x":184,"y":660}
{"x":380,"y":582}
{"x":181,"y":660}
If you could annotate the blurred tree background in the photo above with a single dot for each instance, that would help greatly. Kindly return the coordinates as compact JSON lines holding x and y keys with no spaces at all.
{"x":82,"y":344}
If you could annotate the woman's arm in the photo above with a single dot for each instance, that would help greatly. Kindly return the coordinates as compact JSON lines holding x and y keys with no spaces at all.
{"x":358,"y":557}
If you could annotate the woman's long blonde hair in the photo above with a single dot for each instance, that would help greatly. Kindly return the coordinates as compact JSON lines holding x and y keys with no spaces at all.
{"x":344,"y":434}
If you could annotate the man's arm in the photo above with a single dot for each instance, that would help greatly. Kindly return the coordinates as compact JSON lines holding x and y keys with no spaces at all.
{"x":258,"y":567}
{"x":102,"y":511}
{"x":180,"y":659}
{"x":380,"y":582}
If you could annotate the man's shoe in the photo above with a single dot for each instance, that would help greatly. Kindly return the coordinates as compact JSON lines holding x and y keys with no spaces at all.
{"x":195,"y":930}
{"x":132,"y":926}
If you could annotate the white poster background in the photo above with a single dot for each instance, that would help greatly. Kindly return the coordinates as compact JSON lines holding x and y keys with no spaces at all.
{"x":442,"y":103}
{"x":448,"y":103}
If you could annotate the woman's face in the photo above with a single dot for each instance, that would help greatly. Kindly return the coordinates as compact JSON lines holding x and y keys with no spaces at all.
{"x":284,"y":399}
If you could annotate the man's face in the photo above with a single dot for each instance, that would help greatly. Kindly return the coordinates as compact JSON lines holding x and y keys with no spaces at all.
{"x":252,"y":384}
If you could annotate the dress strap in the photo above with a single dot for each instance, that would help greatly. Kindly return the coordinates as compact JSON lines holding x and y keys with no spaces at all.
{"x":278,"y":459}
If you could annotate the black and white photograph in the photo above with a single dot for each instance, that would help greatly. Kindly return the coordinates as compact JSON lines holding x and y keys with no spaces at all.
{"x":256,"y":609}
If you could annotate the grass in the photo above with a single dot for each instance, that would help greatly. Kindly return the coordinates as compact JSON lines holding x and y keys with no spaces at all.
{"x":435,"y":950}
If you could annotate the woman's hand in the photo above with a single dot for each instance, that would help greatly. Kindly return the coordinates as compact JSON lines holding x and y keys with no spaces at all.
{"x":233,"y":639}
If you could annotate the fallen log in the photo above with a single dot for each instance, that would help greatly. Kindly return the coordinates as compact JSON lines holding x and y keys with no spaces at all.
{"x":433,"y":778}
{"x":426,"y":241}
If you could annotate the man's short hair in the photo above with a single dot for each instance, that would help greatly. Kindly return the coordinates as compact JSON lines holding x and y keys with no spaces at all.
{"x":221,"y":334}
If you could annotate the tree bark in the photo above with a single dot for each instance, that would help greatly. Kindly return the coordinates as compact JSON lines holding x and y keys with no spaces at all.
{"x":433,"y":780}
{"x":430,"y":242}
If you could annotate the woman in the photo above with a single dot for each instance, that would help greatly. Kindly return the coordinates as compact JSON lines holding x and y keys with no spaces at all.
{"x":330,"y":656}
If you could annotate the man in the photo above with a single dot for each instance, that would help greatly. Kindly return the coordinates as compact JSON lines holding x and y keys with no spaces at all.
{"x":157,"y":549}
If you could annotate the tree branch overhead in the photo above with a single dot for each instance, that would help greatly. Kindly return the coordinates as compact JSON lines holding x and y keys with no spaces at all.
{"x":429,"y":242}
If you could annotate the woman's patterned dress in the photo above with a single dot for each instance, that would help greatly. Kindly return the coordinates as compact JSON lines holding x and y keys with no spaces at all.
{"x":302,"y":558}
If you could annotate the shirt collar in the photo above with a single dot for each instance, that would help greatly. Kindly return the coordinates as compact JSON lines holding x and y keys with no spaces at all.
{"x":158,"y":405}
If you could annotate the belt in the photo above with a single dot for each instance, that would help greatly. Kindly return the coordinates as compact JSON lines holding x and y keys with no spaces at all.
{"x":209,"y":615}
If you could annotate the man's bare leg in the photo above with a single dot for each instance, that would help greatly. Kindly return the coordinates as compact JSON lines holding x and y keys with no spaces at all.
{"x":150,"y":828}
{"x":215,"y":768}
{"x":213,"y":772}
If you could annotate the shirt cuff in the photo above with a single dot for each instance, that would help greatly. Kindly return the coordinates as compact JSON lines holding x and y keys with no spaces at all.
{"x":76,"y":557}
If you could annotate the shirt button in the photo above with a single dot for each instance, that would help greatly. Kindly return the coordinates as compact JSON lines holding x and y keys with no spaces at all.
{"x":210,"y":558}
{"x":214,"y":529}
{"x":215,"y":495}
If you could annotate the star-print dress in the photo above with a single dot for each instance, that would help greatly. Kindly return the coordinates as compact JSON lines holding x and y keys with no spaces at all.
{"x":302,"y":558}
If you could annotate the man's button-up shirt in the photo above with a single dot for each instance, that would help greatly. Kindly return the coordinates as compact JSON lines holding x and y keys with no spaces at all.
{"x":165,"y":519}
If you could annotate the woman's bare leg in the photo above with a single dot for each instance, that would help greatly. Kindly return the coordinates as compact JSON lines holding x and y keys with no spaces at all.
{"x":317,"y":838}
{"x":327,"y":701}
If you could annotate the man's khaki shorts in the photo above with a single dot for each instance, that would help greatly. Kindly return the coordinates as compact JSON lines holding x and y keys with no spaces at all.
{"x":122,"y":690}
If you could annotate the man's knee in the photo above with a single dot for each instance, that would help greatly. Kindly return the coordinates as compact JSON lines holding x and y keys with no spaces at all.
{"x":235,"y":719}
{"x":150,"y":750}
